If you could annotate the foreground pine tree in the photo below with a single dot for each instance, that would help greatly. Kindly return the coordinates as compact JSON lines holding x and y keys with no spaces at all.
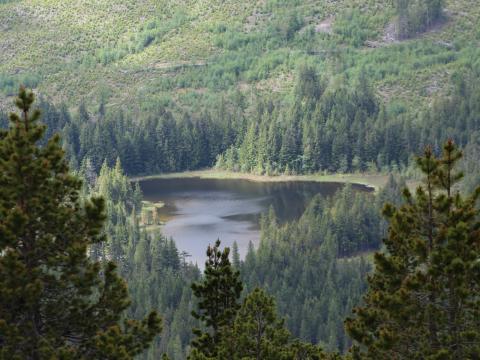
{"x":250,"y":331}
{"x":423,"y":301}
{"x":258,"y":332}
{"x":219,"y":300}
{"x":55,"y":303}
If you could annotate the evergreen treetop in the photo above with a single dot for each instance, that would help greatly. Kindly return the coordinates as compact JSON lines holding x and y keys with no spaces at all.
{"x":422,"y":301}
{"x":218,"y":294}
{"x":54,"y":301}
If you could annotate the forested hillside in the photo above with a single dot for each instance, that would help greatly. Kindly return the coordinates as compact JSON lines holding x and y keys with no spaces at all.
{"x":183,"y":52}
{"x":258,"y":87}
{"x":317,"y":266}
{"x":266,"y":87}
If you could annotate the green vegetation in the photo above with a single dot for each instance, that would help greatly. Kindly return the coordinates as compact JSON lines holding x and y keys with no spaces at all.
{"x":248,"y":331}
{"x":316,"y":267}
{"x":416,"y":16}
{"x":326,"y":129}
{"x":218,"y":294}
{"x":182,"y":54}
{"x":58,"y":263}
{"x":344,"y":129}
{"x":10,"y":84}
{"x":158,"y":275}
{"x":305,"y":86}
{"x":55,"y":302}
{"x":266,"y":90}
{"x":422,"y":300}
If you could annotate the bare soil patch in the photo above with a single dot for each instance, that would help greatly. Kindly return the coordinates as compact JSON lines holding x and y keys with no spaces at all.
{"x":326,"y":26}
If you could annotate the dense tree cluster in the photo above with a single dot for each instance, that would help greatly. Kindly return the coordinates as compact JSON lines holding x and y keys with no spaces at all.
{"x":314,"y":267}
{"x":313,"y":294}
{"x":326,"y":128}
{"x":423,"y":300}
{"x":55,"y":302}
{"x":471,"y":166}
{"x":330,"y":124}
{"x":159,"y":276}
{"x":251,"y":330}
{"x":340,"y":128}
{"x":61,"y":296}
{"x":157,"y":143}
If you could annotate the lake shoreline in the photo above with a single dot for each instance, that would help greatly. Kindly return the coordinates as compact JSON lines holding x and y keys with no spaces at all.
{"x":372,"y":181}
{"x":195,"y":208}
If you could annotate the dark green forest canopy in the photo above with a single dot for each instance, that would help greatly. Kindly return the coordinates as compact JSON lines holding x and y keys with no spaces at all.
{"x":247,"y":330}
{"x":316,"y":267}
{"x":422,"y":300}
{"x":159,"y":275}
{"x":55,"y":301}
{"x":266,"y":87}
{"x":336,"y":128}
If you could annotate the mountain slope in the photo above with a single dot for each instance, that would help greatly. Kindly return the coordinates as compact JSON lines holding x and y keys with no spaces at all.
{"x":182,"y":52}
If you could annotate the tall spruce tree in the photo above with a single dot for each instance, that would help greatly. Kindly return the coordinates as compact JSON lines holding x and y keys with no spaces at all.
{"x":218,"y":294}
{"x":235,"y":256}
{"x":55,"y":303}
{"x":423,"y":300}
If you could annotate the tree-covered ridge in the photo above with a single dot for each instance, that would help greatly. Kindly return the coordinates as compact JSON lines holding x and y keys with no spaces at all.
{"x":329,"y":236}
{"x":330,"y":126}
{"x":338,"y":113}
{"x":61,"y":297}
{"x":160,"y":277}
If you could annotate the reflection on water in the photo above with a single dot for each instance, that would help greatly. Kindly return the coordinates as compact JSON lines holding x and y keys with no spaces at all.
{"x":198,"y":211}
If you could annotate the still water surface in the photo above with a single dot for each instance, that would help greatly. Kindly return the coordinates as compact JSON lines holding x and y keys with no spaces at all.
{"x":198,"y":211}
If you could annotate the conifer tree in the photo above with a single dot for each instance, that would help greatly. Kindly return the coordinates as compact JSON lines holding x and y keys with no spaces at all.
{"x":218,"y":295}
{"x":257,"y":332}
{"x":251,"y":331}
{"x":235,"y":256}
{"x":423,"y":301}
{"x":54,"y":301}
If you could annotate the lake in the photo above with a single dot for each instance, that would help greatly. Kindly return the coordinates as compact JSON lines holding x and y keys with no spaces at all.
{"x":197,"y":211}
